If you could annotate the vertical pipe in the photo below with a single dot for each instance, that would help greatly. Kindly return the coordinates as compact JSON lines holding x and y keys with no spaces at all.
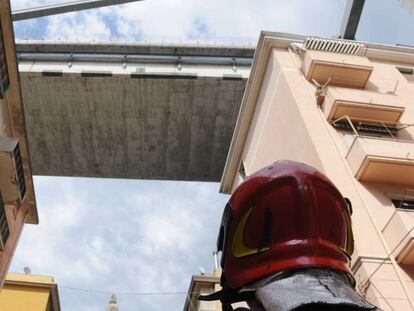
{"x":216,"y":266}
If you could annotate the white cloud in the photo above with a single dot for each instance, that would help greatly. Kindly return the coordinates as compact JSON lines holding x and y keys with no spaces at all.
{"x":229,"y":20}
{"x":215,"y":20}
{"x":133,"y":236}
{"x":25,"y":4}
{"x":85,"y":27}
{"x":121,"y":236}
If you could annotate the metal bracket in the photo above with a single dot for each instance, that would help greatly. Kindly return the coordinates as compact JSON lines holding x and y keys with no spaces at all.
{"x":351,"y":19}
{"x":124,"y":64}
{"x":179,"y":67}
{"x":70,"y":64}
{"x":61,"y":8}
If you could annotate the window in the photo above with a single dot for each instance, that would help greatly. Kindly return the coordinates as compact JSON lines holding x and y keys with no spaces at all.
{"x":4,"y":73}
{"x":375,"y":129}
{"x":405,"y":70}
{"x":404,"y":203}
{"x":242,"y":171}
{"x":4,"y":227}
{"x":19,"y":171}
{"x":12,"y":179}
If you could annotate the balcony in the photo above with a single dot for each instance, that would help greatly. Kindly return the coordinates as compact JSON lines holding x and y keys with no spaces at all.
{"x":363,"y":105}
{"x":400,"y":237}
{"x":343,"y":69}
{"x":381,"y":160}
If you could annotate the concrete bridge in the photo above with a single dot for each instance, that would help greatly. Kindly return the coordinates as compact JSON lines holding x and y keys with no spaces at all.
{"x":131,"y":110}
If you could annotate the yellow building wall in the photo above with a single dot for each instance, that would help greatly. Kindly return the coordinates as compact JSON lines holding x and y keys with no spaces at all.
{"x":23,"y":298}
{"x":25,"y":293}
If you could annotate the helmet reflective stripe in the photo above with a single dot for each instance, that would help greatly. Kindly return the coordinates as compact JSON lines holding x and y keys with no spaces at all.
{"x":350,"y":236}
{"x":238,"y":247}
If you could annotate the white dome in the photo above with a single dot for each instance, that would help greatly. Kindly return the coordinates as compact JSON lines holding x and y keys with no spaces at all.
{"x":112,"y":306}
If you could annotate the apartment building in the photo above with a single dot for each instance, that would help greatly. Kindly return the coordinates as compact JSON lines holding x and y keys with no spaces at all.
{"x":346,"y":108}
{"x":17,"y":198}
{"x":23,"y":292}
{"x":205,"y":284}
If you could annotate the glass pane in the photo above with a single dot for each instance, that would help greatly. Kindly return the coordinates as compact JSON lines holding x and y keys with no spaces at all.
{"x":404,"y":204}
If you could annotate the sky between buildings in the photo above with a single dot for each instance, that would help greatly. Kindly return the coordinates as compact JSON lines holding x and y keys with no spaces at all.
{"x":134,"y":236}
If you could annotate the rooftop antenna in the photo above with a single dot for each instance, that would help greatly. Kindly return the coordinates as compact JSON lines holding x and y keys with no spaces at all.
{"x":215,"y":254}
{"x":216,"y":264}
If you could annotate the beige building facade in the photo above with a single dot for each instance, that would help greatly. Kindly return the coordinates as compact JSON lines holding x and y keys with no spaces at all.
{"x":202,"y":285}
{"x":17,"y":198}
{"x":205,"y":284}
{"x":346,"y":108}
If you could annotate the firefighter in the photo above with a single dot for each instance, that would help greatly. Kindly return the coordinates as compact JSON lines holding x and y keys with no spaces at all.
{"x":286,"y":241}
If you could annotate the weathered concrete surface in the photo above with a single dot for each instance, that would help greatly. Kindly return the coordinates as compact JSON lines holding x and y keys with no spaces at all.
{"x":134,"y":48}
{"x":125,"y":127}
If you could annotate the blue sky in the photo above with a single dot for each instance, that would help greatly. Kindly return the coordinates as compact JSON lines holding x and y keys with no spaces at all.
{"x":150,"y":236}
{"x":383,"y":21}
{"x":121,"y":236}
{"x":181,"y":20}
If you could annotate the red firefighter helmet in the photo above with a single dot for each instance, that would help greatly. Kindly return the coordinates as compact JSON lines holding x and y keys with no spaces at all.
{"x":285,"y":216}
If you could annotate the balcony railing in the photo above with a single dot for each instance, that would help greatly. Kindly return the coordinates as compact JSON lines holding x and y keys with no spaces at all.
{"x":341,"y":69}
{"x":382,"y":158}
{"x":399,"y":235}
{"x":363,"y":105}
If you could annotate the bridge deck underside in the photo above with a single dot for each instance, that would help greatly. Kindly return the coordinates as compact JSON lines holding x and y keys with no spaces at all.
{"x":125,"y":127}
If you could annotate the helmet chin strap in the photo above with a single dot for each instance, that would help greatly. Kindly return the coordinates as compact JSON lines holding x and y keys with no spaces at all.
{"x":227,"y":296}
